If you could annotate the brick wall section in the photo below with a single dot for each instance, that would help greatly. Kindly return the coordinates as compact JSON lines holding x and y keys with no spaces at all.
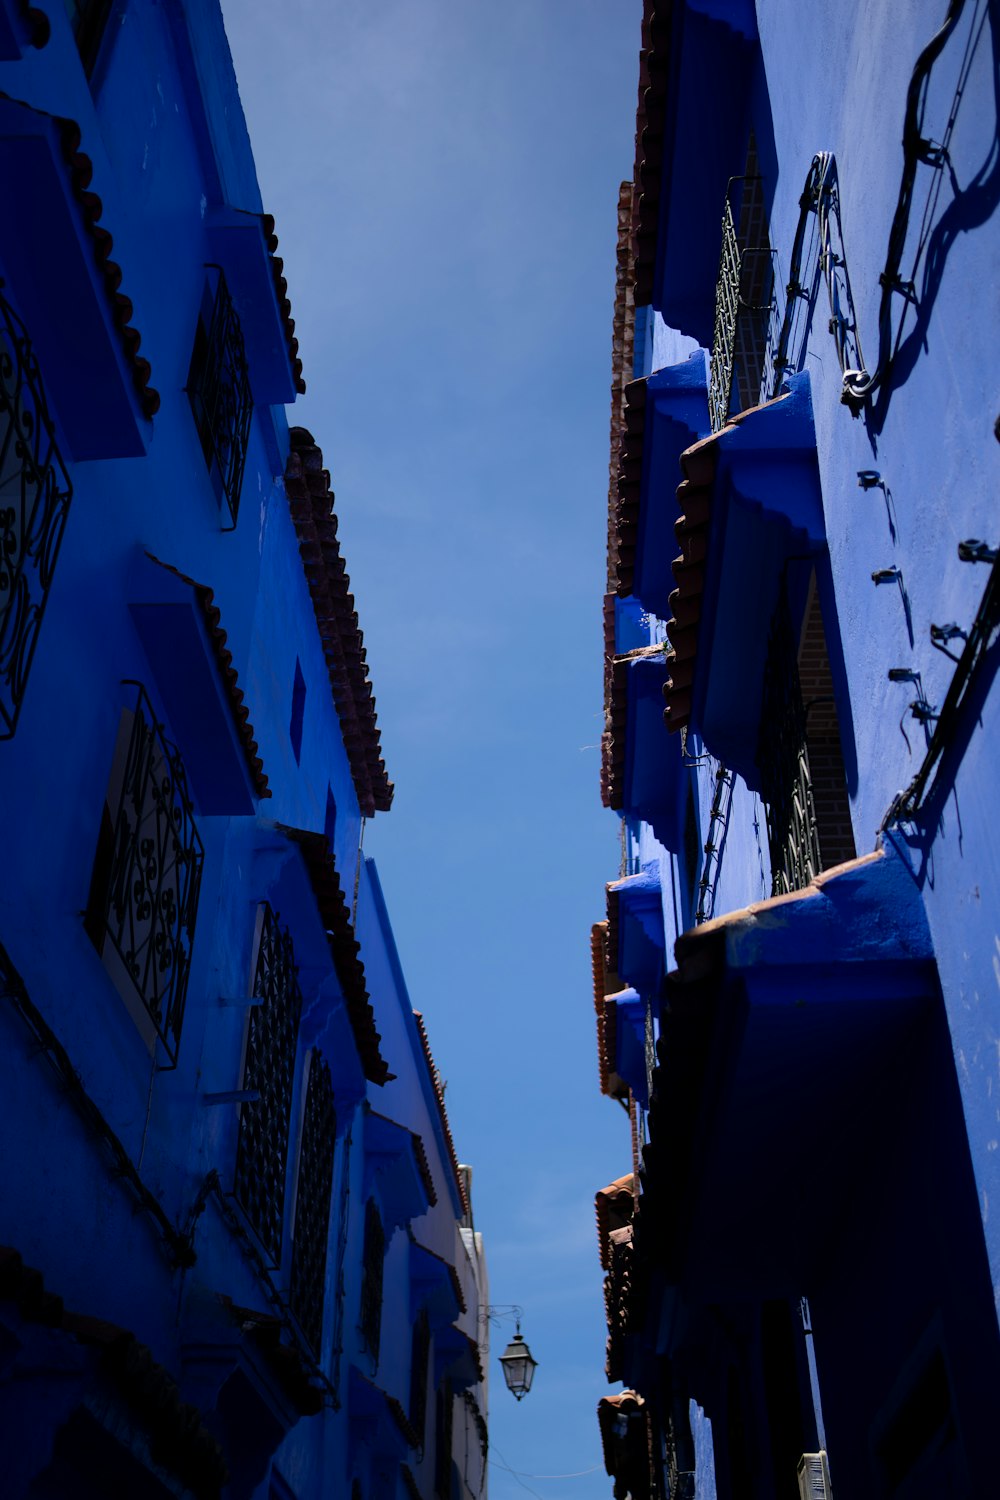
{"x":826,"y":760}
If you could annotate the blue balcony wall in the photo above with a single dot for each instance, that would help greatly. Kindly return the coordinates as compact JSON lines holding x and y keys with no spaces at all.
{"x":161,"y":122}
{"x":925,"y":443}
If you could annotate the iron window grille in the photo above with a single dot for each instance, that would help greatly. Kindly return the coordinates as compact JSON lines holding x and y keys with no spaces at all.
{"x":419,"y":1357}
{"x":268,"y":1074}
{"x":147,"y":873}
{"x":783,"y":757}
{"x":743,"y":301}
{"x":35,"y":494}
{"x":219,"y":391}
{"x":88,"y":19}
{"x":373,"y":1263}
{"x":312,"y":1203}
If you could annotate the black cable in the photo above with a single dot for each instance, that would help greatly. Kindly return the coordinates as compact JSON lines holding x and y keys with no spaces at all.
{"x":859,"y":384}
{"x":906,"y":804}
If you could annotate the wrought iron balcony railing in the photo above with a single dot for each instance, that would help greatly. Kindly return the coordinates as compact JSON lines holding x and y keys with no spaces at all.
{"x":35,"y":494}
{"x":312,"y":1203}
{"x":783,"y":757}
{"x":219,"y":391}
{"x":268,"y":1072}
{"x":147,"y":873}
{"x":743,"y":304}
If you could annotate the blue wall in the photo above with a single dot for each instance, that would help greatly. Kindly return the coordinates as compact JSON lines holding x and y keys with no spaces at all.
{"x":118,"y":1186}
{"x":836,"y":81}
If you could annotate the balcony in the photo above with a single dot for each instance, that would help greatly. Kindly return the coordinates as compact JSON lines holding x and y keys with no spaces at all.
{"x":35,"y":494}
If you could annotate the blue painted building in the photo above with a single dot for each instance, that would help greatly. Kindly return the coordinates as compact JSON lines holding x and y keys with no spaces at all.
{"x":238,"y":1256}
{"x":796,"y":978}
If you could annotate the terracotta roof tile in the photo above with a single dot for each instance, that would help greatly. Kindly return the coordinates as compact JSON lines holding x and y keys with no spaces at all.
{"x":439,"y":1092}
{"x":453,"y":1276}
{"x":409,"y":1483}
{"x":424,"y":1168}
{"x":212,"y":616}
{"x":178,"y":1438}
{"x":649,"y":126}
{"x":629,"y":484}
{"x":692,"y":529}
{"x":81,"y":170}
{"x":310,"y":499}
{"x":402,"y":1421}
{"x":615,"y":1205}
{"x":281,"y":292}
{"x":344,"y":948}
{"x":613,"y":740}
{"x":622,"y":356}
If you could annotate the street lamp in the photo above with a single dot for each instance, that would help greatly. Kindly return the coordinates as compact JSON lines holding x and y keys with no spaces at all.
{"x":518,"y":1366}
{"x":517,"y":1362}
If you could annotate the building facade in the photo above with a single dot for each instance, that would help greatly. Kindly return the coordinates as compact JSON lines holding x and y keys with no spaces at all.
{"x":795,"y":979}
{"x":238,"y":1250}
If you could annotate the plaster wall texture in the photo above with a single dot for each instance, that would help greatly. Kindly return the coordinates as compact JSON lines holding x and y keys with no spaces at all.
{"x":838,"y":83}
{"x":161,"y":122}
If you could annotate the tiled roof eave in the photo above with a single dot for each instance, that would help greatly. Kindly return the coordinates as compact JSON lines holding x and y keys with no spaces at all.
{"x":310,"y":499}
{"x":212,"y":616}
{"x":345,"y":950}
{"x":442,"y":1112}
{"x":650,"y":120}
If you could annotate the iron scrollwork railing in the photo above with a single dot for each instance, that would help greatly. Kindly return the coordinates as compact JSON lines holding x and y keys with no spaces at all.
{"x":312,"y":1203}
{"x":743,"y":304}
{"x":219,"y":392}
{"x":783,"y":757}
{"x":269,"y":1073}
{"x":148,"y":889}
{"x":35,"y":494}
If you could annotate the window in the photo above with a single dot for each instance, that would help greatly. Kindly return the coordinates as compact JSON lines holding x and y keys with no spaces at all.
{"x":743,"y":297}
{"x":298,"y":711}
{"x":147,"y":875}
{"x":219,"y":391}
{"x":35,"y":494}
{"x":371,"y":1287}
{"x":419,"y":1356}
{"x":312,"y":1202}
{"x":268,"y":1072}
{"x":88,"y":19}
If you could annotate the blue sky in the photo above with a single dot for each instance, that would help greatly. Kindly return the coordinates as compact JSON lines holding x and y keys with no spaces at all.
{"x":444,"y":178}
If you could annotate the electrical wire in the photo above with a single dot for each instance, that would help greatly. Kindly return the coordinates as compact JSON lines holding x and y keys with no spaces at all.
{"x":858,"y":384}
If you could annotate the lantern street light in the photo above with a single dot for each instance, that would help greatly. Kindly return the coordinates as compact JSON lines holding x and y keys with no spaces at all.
{"x":518,"y":1366}
{"x":517,"y":1362}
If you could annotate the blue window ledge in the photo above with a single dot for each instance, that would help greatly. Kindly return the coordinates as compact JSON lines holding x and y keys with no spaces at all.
{"x":55,"y":258}
{"x":204,"y":704}
{"x":752,"y":506}
{"x":635,"y":930}
{"x":787,"y":1028}
{"x":392,"y":1170}
{"x":238,"y":241}
{"x":433,"y":1285}
{"x":665,"y":414}
{"x":709,"y":59}
{"x":625,"y":1021}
